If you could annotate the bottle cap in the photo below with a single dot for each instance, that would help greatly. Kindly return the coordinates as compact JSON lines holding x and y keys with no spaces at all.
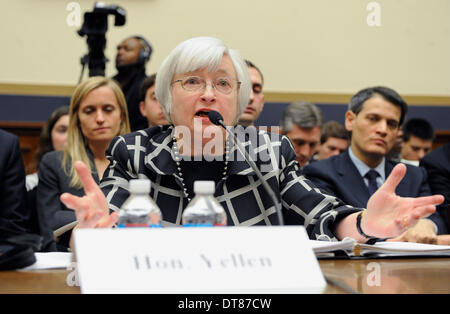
{"x":204,"y":187}
{"x":139,"y":186}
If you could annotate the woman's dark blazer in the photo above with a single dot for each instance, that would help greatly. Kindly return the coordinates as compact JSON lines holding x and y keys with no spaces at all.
{"x":52,"y":213}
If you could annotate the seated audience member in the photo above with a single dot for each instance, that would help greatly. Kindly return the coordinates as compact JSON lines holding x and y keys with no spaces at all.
{"x":149,"y":106}
{"x":14,"y":215}
{"x":53,"y":137}
{"x":418,"y":136}
{"x":133,"y":53}
{"x":97,"y":114}
{"x":302,"y":123}
{"x":373,"y":118}
{"x":437,"y":164}
{"x":200,"y":75}
{"x":394,"y":153}
{"x":256,"y":102}
{"x":333,"y":141}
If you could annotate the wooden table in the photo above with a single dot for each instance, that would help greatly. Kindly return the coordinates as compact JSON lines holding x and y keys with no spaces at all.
{"x":393,"y":276}
{"x":425,"y":275}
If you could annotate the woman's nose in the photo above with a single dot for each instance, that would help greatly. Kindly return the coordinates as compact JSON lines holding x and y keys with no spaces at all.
{"x":100,"y":118}
{"x":209,"y":93}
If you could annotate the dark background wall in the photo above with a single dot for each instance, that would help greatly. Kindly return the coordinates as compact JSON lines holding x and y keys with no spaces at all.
{"x":30,"y":108}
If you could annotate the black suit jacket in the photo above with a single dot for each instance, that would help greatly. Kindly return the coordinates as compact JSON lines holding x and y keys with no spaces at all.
{"x":338,"y":176}
{"x":52,"y":213}
{"x":14,"y":215}
{"x":132,"y":92}
{"x":437,"y":164}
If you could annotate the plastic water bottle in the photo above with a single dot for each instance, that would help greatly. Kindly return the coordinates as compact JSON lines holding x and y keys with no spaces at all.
{"x":139,"y":210}
{"x":204,"y":210}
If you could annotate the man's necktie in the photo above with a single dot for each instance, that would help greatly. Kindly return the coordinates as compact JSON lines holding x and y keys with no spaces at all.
{"x":372,"y":175}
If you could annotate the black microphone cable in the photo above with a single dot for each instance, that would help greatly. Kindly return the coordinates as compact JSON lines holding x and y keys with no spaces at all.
{"x":217,"y":119}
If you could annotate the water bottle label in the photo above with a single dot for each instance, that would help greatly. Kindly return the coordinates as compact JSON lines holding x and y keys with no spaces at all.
{"x":139,"y":226}
{"x":197,"y":225}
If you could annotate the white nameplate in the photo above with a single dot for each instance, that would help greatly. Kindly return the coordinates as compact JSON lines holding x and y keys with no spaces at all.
{"x":197,"y":260}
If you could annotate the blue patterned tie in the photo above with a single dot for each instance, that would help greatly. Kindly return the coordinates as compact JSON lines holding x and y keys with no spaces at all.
{"x":372,"y":177}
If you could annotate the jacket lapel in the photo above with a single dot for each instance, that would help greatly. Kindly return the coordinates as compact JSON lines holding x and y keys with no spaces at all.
{"x":352,"y":180}
{"x":401,"y":189}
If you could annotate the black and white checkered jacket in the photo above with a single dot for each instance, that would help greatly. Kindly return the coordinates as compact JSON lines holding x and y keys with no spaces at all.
{"x":148,"y":154}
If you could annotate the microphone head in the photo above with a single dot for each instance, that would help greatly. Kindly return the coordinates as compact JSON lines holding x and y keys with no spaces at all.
{"x":215,"y":117}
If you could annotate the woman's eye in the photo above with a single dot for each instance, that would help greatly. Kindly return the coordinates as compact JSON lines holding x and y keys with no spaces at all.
{"x":222,"y":82}
{"x":192,"y":81}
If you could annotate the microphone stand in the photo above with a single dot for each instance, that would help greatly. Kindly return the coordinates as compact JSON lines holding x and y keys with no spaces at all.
{"x":255,"y":169}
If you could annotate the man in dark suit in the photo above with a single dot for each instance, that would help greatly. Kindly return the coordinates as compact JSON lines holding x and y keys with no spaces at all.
{"x":14,"y":217}
{"x":373,"y":118}
{"x":437,"y":164}
{"x":302,"y":123}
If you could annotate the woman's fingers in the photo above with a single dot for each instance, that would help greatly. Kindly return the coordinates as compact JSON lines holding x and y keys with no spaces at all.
{"x":428,"y":200}
{"x":109,"y":221}
{"x":71,"y":201}
{"x":409,"y":220}
{"x":394,"y":178}
{"x":89,"y":184}
{"x":423,"y":211}
{"x":91,"y":210}
{"x":87,"y":215}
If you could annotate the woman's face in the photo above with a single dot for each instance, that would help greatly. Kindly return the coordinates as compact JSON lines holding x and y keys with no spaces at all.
{"x":190,"y":108}
{"x":100,"y":115}
{"x":59,"y":133}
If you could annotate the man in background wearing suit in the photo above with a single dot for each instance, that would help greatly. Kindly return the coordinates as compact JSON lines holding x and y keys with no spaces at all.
{"x":14,"y":217}
{"x":302,"y":123}
{"x":333,"y":141}
{"x":418,"y":136}
{"x":373,"y":118}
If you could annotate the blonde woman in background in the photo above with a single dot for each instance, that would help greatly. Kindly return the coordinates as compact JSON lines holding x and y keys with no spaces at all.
{"x":97,"y":114}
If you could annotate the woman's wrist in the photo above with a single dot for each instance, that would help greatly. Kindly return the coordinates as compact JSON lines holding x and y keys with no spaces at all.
{"x":370,"y":239}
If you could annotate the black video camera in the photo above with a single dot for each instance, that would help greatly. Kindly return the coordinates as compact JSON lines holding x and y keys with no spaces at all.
{"x":94,"y":27}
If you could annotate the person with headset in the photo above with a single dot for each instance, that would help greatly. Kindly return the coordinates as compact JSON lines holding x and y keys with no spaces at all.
{"x":132,"y":55}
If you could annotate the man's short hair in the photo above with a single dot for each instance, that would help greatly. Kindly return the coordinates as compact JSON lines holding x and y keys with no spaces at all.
{"x":146,"y":84}
{"x":387,"y":93}
{"x":252,"y":65}
{"x":304,"y":114}
{"x":333,"y":129}
{"x":418,"y":127}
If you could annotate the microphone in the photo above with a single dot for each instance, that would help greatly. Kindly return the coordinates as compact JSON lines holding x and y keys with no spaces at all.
{"x":217,"y":119}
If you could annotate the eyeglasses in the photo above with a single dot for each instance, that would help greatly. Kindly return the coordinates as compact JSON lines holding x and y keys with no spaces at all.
{"x":223,"y":85}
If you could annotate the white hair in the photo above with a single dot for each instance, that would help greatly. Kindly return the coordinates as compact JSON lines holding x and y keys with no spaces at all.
{"x":194,"y":54}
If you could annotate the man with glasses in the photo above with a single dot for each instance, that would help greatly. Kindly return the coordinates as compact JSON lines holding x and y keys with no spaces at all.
{"x":374,"y":117}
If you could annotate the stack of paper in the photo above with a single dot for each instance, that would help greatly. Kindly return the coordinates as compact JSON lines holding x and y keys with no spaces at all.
{"x":380,"y":249}
{"x":51,"y":260}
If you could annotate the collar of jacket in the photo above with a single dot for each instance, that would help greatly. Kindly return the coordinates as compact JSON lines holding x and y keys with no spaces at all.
{"x":160,"y":156}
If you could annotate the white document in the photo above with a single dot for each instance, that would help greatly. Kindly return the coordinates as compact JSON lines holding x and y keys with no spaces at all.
{"x":381,"y":249}
{"x":50,"y":260}
{"x":197,"y":260}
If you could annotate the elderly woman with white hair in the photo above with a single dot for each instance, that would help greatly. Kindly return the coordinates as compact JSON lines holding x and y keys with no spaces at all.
{"x":201,"y":75}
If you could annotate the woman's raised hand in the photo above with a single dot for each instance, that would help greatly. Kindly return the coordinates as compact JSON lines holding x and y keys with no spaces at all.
{"x":92,"y":209}
{"x":389,"y":215}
